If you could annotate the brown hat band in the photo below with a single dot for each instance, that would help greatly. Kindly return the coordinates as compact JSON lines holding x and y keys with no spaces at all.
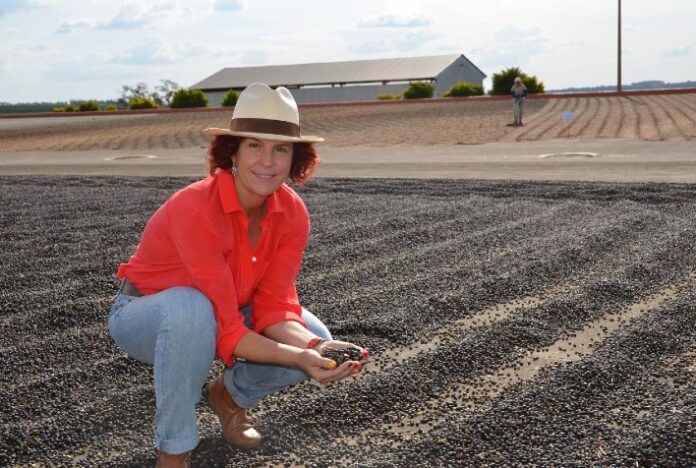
{"x":273,"y":127}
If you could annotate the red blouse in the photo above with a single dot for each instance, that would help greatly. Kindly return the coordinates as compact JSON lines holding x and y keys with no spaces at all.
{"x":199,"y":238}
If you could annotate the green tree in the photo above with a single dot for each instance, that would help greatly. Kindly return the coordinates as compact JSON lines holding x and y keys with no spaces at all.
{"x":188,"y":98}
{"x":128,"y":93}
{"x":230,"y":98}
{"x":464,"y":88}
{"x":503,"y":81}
{"x":165,"y":91}
{"x":88,"y":106}
{"x":142,"y":103}
{"x":419,"y":90}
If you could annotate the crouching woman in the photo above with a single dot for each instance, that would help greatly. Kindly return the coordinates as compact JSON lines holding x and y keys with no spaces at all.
{"x":214,"y":275}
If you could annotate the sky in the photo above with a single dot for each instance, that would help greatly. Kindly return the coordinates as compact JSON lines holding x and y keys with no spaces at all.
{"x":52,"y":50}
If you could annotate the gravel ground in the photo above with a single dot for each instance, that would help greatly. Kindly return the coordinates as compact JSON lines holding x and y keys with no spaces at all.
{"x":511,"y":324}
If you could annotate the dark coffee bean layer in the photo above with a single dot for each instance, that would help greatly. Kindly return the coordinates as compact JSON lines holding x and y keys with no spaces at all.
{"x":509,"y":324}
{"x":341,"y":355}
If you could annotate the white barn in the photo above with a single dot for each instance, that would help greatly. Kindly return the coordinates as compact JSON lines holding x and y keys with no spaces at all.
{"x":358,"y":80}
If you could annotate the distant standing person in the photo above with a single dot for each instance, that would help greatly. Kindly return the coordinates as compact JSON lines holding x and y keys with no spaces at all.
{"x":519,"y":94}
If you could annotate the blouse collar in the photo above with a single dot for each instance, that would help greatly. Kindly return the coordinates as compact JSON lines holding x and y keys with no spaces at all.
{"x":230,"y":199}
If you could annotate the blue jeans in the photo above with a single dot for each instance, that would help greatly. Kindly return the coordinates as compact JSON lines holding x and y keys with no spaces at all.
{"x":175,"y":330}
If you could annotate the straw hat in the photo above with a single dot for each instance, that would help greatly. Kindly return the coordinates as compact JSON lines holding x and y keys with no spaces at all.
{"x":266,"y":114}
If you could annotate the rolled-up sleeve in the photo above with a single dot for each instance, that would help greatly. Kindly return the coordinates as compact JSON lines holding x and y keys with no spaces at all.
{"x":201,"y":253}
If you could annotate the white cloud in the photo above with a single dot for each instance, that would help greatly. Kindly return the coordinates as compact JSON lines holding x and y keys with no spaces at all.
{"x":155,"y":52}
{"x":511,"y":46}
{"x":394,"y":21}
{"x":249,"y":56}
{"x":30,"y":47}
{"x":132,"y":16}
{"x":10,"y":6}
{"x":67,"y":26}
{"x":254,"y":57}
{"x":395,"y":43}
{"x":680,"y":52}
{"x":509,"y":33}
{"x":229,"y":5}
{"x":573,"y":44}
{"x":87,"y":68}
{"x":579,"y":37}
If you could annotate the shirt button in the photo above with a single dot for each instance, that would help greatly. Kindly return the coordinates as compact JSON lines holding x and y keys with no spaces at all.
{"x":253,"y":259}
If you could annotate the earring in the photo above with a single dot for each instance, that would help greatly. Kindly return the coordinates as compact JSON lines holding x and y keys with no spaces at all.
{"x":234,"y":168}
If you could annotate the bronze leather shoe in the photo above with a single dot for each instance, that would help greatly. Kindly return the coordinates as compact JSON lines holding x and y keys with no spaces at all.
{"x":167,"y":460}
{"x":233,"y":418}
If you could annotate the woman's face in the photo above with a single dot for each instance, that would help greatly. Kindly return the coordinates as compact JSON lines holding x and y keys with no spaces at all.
{"x":262,"y":167}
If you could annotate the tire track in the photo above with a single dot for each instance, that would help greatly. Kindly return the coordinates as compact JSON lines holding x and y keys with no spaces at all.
{"x":609,"y":128}
{"x":579,"y":109}
{"x":555,"y":125}
{"x":624,"y":124}
{"x":647,"y":121}
{"x":665,"y":123}
{"x":687,"y":122}
{"x":584,"y":122}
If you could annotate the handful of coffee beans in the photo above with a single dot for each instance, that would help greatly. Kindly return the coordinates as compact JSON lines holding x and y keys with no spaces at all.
{"x":341,"y":355}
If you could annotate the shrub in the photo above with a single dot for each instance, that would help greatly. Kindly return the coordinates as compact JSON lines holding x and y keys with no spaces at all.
{"x":188,"y":98}
{"x":387,"y":96}
{"x":112,"y":107}
{"x":59,"y":109}
{"x":70,"y":109}
{"x":230,"y":99}
{"x":503,"y":81}
{"x":464,"y":88}
{"x":142,"y":103}
{"x":419,"y":90}
{"x":88,"y":106}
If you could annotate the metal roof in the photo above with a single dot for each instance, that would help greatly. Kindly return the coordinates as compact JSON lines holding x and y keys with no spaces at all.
{"x":357,"y":71}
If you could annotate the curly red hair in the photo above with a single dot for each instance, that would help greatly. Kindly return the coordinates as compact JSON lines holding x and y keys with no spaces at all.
{"x":304,"y":157}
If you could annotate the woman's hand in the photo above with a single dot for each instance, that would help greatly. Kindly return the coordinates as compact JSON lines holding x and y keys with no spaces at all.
{"x":324,"y":370}
{"x":364,"y":353}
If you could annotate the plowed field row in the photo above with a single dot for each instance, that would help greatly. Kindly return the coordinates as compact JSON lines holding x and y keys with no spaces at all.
{"x":652,"y":117}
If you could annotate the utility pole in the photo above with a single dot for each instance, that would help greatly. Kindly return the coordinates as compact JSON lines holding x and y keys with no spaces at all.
{"x":618,"y":81}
